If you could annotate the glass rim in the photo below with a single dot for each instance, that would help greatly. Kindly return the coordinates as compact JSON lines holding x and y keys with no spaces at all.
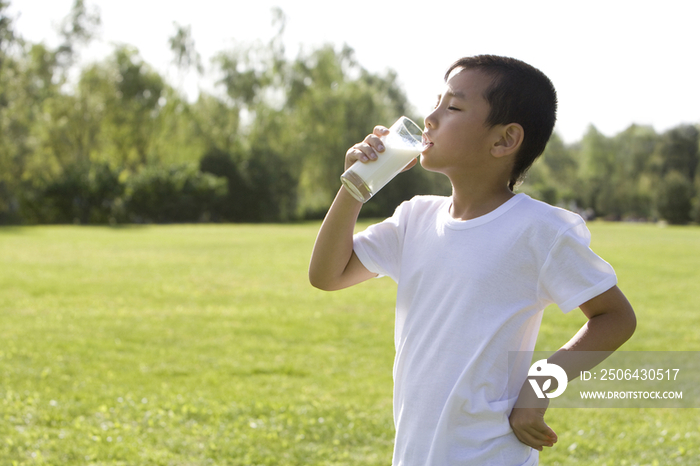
{"x":412,"y":129}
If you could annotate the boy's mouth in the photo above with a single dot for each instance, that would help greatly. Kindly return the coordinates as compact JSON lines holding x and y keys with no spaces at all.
{"x":426,"y":142}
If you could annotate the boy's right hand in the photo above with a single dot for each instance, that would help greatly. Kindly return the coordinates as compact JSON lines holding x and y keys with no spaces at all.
{"x":368,"y":149}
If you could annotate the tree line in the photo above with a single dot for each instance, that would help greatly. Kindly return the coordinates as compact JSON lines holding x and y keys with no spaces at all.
{"x":115,"y":142}
{"x":636,"y":175}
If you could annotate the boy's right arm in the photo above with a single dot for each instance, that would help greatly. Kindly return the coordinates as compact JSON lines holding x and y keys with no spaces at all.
{"x":334,"y":264}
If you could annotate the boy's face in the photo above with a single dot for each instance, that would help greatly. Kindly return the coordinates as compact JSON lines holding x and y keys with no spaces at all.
{"x":456,"y":130}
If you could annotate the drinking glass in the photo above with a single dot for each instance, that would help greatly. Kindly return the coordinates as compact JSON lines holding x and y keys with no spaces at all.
{"x":403,"y":144}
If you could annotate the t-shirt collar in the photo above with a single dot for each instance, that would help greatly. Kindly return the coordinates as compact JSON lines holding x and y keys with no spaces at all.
{"x":446,"y":218}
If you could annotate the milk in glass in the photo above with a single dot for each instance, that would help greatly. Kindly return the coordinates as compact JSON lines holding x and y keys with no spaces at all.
{"x":402,"y":145}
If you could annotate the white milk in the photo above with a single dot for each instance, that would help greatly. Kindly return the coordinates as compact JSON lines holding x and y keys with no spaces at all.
{"x":402,"y":144}
{"x":375,"y":174}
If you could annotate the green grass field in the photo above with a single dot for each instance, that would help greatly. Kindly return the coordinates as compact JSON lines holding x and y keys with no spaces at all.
{"x":205,"y":345}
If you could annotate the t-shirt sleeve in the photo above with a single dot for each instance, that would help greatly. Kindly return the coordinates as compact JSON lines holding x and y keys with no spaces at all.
{"x":572,"y":273}
{"x":379,"y":246}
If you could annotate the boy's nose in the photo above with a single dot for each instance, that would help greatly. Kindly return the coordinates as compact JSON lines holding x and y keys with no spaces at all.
{"x":431,"y":120}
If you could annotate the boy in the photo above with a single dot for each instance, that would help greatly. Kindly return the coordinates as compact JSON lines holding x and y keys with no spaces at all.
{"x":475,"y":271}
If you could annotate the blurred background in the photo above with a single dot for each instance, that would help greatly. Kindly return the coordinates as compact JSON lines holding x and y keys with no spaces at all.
{"x":151,"y":112}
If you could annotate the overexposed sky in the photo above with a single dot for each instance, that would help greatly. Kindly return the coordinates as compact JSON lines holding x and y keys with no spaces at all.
{"x":613,"y":62}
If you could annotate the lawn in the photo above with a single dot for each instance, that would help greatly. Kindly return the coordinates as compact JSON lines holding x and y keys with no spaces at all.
{"x":204,"y":344}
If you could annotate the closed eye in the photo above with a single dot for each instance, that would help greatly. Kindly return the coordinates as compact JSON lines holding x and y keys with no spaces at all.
{"x":439,"y":99}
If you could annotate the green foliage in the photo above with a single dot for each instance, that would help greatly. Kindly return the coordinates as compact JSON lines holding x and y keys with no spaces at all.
{"x":677,"y":150}
{"x":78,"y":28}
{"x":233,"y":206}
{"x":85,"y":193}
{"x":133,"y":103}
{"x":637,"y":174}
{"x":94,"y":193}
{"x":280,"y":127}
{"x":674,"y":198}
{"x":307,"y":113}
{"x":182,"y":45}
{"x":205,"y":344}
{"x":172,"y":194}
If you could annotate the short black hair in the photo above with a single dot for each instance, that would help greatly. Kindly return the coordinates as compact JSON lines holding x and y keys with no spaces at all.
{"x":519,"y":93}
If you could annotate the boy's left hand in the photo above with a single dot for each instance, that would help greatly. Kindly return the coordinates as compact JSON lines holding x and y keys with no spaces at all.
{"x":528,"y":423}
{"x":529,"y":426}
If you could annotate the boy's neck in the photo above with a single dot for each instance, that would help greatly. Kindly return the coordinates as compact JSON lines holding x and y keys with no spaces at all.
{"x":472,"y":201}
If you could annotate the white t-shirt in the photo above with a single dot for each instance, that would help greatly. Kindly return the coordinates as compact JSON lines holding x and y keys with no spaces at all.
{"x":468,"y":293}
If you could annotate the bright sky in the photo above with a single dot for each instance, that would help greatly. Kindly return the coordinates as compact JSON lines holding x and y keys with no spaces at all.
{"x":613,"y":62}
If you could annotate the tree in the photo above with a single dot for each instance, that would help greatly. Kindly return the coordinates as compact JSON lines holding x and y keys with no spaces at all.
{"x":301,"y":116}
{"x":267,"y":144}
{"x":677,"y":150}
{"x":77,"y":29}
{"x":552,"y":177}
{"x":132,"y":103}
{"x":7,"y":34}
{"x":676,"y":162}
{"x":182,"y":46}
{"x":674,"y":198}
{"x":597,"y":172}
{"x":633,"y":180}
{"x":8,"y":165}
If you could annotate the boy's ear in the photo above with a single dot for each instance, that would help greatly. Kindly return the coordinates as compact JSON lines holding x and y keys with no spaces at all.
{"x":509,"y":141}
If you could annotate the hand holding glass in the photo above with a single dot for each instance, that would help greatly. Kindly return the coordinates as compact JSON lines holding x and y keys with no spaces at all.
{"x":403,"y":144}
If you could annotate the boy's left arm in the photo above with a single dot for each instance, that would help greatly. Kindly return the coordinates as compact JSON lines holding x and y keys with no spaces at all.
{"x":611,"y":322}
